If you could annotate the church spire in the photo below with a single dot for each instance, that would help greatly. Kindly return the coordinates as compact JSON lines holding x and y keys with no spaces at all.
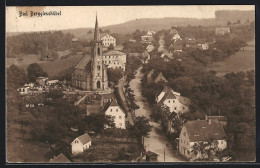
{"x":96,"y":33}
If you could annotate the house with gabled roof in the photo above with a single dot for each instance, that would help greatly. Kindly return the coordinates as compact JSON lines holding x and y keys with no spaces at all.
{"x":159,"y":78}
{"x":80,"y":144}
{"x":200,"y":131}
{"x":107,"y":40}
{"x":173,"y":100}
{"x":61,"y":158}
{"x":113,"y":109}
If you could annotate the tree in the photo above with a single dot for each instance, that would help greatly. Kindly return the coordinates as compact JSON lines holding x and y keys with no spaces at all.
{"x":141,"y":128}
{"x":114,"y":74}
{"x":35,"y":70}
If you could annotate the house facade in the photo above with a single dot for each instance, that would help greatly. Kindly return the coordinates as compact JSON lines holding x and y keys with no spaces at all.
{"x":173,"y":100}
{"x":115,"y":59}
{"x":197,"y":132}
{"x":108,"y":39}
{"x":114,"y":110}
{"x":80,"y":144}
{"x":24,"y":90}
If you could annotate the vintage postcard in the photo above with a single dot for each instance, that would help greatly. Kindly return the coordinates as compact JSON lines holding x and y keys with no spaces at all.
{"x":100,"y":84}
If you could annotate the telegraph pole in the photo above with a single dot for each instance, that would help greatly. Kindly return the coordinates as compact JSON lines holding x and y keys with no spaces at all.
{"x":164,"y":154}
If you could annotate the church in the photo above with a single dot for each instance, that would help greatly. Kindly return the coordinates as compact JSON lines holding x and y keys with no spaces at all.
{"x":91,"y":73}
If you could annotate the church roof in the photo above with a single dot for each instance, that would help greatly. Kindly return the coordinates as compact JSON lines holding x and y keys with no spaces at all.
{"x":83,"y":62}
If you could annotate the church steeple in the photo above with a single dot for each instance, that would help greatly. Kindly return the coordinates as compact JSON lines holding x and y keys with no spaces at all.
{"x":96,"y":33}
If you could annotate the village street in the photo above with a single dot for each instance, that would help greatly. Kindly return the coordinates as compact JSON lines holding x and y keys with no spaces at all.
{"x":157,"y":141}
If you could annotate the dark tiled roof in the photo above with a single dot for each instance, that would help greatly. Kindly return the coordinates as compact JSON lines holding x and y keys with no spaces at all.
{"x":85,"y":138}
{"x":61,"y":158}
{"x":82,"y":64}
{"x":149,"y":153}
{"x":160,"y":77}
{"x":168,"y":95}
{"x":113,"y":52}
{"x":113,"y":102}
{"x":201,"y":130}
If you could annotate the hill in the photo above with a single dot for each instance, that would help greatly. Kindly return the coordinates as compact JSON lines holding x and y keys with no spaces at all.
{"x":235,"y":15}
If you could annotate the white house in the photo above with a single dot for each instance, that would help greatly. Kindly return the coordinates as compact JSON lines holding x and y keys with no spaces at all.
{"x":176,"y":37}
{"x":114,"y":110}
{"x":173,"y":100}
{"x":150,"y":33}
{"x":195,"y":132}
{"x":115,"y":59}
{"x":23,"y":90}
{"x":150,"y":47}
{"x":80,"y":144}
{"x":108,"y":39}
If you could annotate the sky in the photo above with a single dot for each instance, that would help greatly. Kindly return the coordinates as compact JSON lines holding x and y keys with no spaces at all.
{"x":84,"y":16}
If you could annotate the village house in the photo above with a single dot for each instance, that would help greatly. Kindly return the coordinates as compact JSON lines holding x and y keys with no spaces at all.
{"x":108,"y":39}
{"x":173,"y":100}
{"x":175,"y":47}
{"x":146,"y":56}
{"x":115,"y":59}
{"x":42,"y":81}
{"x":150,"y":33}
{"x":159,"y":78}
{"x":167,"y":56}
{"x":195,"y":132}
{"x":132,"y":40}
{"x":75,"y":39}
{"x":61,"y":158}
{"x":176,"y":37}
{"x":150,"y":48}
{"x":81,"y":143}
{"x":24,"y":90}
{"x":147,"y":38}
{"x":222,"y":30}
{"x":113,"y":109}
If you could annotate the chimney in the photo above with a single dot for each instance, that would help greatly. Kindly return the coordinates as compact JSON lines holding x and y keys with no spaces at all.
{"x":209,"y":121}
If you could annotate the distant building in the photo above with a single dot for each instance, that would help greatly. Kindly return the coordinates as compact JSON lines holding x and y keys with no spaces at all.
{"x":75,"y":39}
{"x":150,"y":48}
{"x":42,"y":81}
{"x":132,"y":40}
{"x":176,"y":37}
{"x":61,"y":158}
{"x":200,"y":131}
{"x":81,"y":143}
{"x":222,"y":30}
{"x":167,"y":55}
{"x":108,"y":39}
{"x":146,"y":56}
{"x":24,"y":90}
{"x":150,"y":33}
{"x":147,"y":38}
{"x":113,"y":109}
{"x":115,"y":59}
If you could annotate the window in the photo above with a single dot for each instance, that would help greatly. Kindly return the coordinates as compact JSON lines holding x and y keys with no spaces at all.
{"x":98,"y":67}
{"x":175,"y":108}
{"x":117,"y":110}
{"x":111,"y":110}
{"x":109,"y":62}
{"x":120,"y":124}
{"x":169,"y":101}
{"x":184,"y":134}
{"x":98,"y":74}
{"x":221,"y":142}
{"x":183,"y":108}
{"x":120,"y":117}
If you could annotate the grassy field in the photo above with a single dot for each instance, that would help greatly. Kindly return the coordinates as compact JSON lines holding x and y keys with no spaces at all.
{"x":243,"y":60}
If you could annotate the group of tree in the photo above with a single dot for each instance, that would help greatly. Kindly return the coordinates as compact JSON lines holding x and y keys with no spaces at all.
{"x":32,"y":43}
{"x":232,"y":95}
